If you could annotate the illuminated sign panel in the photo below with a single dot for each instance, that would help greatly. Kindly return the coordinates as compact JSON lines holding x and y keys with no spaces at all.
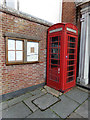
{"x":55,"y":30}
{"x":71,"y":30}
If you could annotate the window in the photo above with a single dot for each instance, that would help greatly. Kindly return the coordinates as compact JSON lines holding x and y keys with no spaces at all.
{"x":1,"y":2}
{"x":12,"y":3}
{"x":32,"y":51}
{"x":19,"y":51}
{"x":14,"y":51}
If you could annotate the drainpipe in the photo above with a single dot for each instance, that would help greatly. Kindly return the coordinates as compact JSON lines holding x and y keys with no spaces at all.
{"x":60,"y":11}
{"x":17,"y":4}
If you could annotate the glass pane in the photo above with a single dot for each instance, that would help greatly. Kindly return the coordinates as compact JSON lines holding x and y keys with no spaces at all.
{"x":71,"y":56}
{"x":32,"y":46}
{"x":55,"y":50}
{"x":72,"y":39}
{"x":19,"y":45}
{"x":54,"y":56}
{"x":11,"y":3}
{"x":70,"y":68}
{"x":71,"y":50}
{"x":11,"y":44}
{"x":72,"y":45}
{"x":54,"y":61}
{"x":54,"y":39}
{"x":55,"y":44}
{"x":32,"y":58}
{"x":19,"y":55}
{"x":70,"y":73}
{"x":11,"y":55}
{"x":71,"y":62}
{"x":70,"y":79}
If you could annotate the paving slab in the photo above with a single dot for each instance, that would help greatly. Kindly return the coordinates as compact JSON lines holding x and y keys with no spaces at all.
{"x":77,"y":95}
{"x":45,"y":101}
{"x":36,"y":96}
{"x":19,"y":110}
{"x":0,"y":115}
{"x":83,"y":109}
{"x":75,"y":115}
{"x":44,"y":90}
{"x":65,"y":107}
{"x":52,"y":91}
{"x":83,"y":89}
{"x":30,"y":104}
{"x":3,"y":105}
{"x":18,"y":99}
{"x":35,"y":92}
{"x":45,"y":114}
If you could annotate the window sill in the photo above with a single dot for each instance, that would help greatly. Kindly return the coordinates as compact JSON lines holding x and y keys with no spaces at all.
{"x":22,"y":63}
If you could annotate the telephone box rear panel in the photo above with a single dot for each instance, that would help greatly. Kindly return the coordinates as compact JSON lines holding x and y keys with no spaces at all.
{"x":62,"y":56}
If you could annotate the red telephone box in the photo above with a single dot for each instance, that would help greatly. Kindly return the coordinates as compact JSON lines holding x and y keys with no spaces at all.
{"x":62,"y":56}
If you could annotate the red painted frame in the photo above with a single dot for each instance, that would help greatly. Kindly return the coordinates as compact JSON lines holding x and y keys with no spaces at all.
{"x":62,"y":84}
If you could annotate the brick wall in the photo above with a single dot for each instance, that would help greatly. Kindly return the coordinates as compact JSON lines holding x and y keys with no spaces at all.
{"x":69,"y":12}
{"x":15,"y":77}
{"x":1,"y":53}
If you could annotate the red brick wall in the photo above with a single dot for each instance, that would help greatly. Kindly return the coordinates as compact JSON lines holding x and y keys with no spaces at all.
{"x":69,"y":12}
{"x":16,"y":77}
{"x":1,"y":53}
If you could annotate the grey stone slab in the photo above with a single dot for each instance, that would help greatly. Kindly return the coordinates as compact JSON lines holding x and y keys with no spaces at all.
{"x":19,"y":110}
{"x":75,"y":115}
{"x":83,"y":109}
{"x":35,"y":92}
{"x":0,"y":115}
{"x":52,"y":91}
{"x":45,"y":114}
{"x":83,"y":89}
{"x":18,"y":99}
{"x":3,"y":105}
{"x":36,"y":96}
{"x":65,"y":107}
{"x":77,"y":95}
{"x":45,"y":101}
{"x":29,"y":100}
{"x":30,"y":104}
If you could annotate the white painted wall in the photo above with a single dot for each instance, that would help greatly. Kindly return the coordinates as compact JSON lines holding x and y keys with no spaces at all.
{"x":1,"y":2}
{"x":11,"y":3}
{"x":49,"y":10}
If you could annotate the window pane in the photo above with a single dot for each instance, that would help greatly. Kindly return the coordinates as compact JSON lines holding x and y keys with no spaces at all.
{"x":72,"y":39}
{"x":71,"y":62}
{"x":11,"y":55}
{"x":11,"y":44}
{"x":19,"y":55}
{"x":55,"y":44}
{"x":54,"y":50}
{"x":54,"y":61}
{"x":30,"y":46}
{"x":54,"y":39}
{"x":72,"y":45}
{"x":71,"y":56}
{"x":1,"y":2}
{"x":32,"y":51}
{"x":32,"y":58}
{"x":54,"y":56}
{"x":11,"y":3}
{"x":70,"y":67}
{"x":70,"y":79}
{"x":19,"y":45}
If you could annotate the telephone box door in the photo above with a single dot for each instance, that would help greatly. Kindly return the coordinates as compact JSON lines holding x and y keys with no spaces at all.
{"x":53,"y":71}
{"x":71,"y":58}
